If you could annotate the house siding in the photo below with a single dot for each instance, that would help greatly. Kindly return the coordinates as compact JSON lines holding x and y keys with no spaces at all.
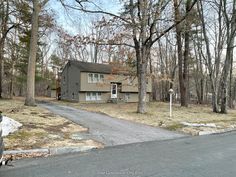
{"x":70,"y":83}
{"x":75,"y":85}
{"x":106,"y":85}
{"x":100,"y":87}
{"x":133,"y":97}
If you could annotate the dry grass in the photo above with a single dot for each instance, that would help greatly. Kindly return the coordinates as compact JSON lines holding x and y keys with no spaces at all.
{"x":158,"y":115}
{"x":41,"y":129}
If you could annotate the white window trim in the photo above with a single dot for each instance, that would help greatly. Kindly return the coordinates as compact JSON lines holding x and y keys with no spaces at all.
{"x":99,"y":96}
{"x":91,"y":97}
{"x":94,"y":96}
{"x":88,"y":96}
{"x":90,"y":79}
{"x":93,"y":79}
{"x":116,"y":88}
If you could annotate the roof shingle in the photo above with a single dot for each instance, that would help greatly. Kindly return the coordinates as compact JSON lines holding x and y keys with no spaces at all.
{"x":92,"y":67}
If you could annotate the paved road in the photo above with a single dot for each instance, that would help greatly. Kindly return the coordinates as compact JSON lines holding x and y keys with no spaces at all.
{"x":111,"y":131}
{"x":204,"y":156}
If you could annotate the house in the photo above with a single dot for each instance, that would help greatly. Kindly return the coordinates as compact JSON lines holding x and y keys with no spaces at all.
{"x":92,"y":82}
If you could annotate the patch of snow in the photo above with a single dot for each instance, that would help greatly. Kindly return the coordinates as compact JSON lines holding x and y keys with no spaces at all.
{"x":211,"y":125}
{"x":216,"y":131}
{"x":9,"y":126}
{"x":206,"y":132}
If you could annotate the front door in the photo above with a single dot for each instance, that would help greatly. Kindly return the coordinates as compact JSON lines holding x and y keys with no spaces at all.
{"x":113,"y":90}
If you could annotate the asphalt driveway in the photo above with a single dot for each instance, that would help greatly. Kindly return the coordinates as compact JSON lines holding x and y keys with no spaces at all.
{"x":108,"y":130}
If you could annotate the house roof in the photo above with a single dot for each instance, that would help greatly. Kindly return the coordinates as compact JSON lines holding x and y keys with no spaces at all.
{"x":92,"y":67}
{"x":113,"y":68}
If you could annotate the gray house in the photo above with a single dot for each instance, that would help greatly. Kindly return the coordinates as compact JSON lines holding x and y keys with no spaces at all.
{"x":92,"y":82}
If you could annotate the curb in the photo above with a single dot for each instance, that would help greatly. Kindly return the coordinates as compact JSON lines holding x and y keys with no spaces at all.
{"x":67,"y":150}
{"x":51,"y":151}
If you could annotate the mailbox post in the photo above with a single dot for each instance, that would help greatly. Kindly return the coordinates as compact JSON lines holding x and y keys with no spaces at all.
{"x":1,"y":140}
{"x":171,"y":91}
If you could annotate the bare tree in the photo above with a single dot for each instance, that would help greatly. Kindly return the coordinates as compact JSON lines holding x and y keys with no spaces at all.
{"x":183,"y":29}
{"x":6,"y":27}
{"x":30,"y":94}
{"x":219,"y":66}
{"x":230,"y":38}
{"x":141,"y":18}
{"x":212,"y":74}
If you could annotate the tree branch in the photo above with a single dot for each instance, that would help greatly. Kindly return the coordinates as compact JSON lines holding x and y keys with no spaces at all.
{"x":113,"y":43}
{"x":175,"y":24}
{"x":94,"y":11}
{"x":155,"y":21}
{"x":7,"y":31}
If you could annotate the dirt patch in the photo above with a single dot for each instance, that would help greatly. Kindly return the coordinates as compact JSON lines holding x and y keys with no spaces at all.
{"x":25,"y":155}
{"x":41,"y":128}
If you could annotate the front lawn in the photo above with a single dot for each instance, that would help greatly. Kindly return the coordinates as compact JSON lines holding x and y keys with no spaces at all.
{"x":41,"y":128}
{"x":158,"y":115}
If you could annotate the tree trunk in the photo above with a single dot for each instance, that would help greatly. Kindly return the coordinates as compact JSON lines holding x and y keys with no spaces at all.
{"x":234,"y":92}
{"x":231,"y":98}
{"x":162,"y":70}
{"x":214,"y":87}
{"x":142,"y":60}
{"x":201,"y":81}
{"x":182,"y":71}
{"x":198,"y":76}
{"x":184,"y":100}
{"x":225,"y":74}
{"x":231,"y":33}
{"x":1,"y":69}
{"x":4,"y":31}
{"x":95,"y":53}
{"x":12,"y":75}
{"x":30,"y":94}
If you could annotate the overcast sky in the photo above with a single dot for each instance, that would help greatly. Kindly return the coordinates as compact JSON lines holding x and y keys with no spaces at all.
{"x":76,"y":22}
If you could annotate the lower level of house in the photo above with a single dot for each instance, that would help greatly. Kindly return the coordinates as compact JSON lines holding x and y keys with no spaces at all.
{"x":103,"y":97}
{"x":101,"y":92}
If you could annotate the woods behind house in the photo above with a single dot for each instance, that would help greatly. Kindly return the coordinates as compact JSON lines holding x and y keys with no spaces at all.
{"x":184,"y":45}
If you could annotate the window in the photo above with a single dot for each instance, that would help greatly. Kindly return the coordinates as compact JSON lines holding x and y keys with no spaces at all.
{"x":101,"y":77}
{"x":95,"y":78}
{"x":93,"y":96}
{"x":127,"y":96}
{"x":90,"y":78}
{"x":114,"y":88}
{"x":88,"y":96}
{"x":99,"y":96}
